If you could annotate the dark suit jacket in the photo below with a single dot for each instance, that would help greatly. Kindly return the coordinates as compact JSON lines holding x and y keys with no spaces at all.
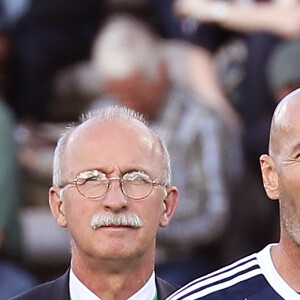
{"x":59,"y":290}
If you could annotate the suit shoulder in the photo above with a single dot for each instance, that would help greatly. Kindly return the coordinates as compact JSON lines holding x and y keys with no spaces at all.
{"x":58,"y":287}
{"x":38,"y":291}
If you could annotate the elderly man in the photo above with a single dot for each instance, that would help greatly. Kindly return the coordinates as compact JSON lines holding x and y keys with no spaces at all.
{"x":133,"y":73}
{"x":274,"y":272}
{"x":112,"y":190}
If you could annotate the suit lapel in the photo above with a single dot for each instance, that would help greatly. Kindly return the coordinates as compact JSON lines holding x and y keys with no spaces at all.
{"x":164,"y":289}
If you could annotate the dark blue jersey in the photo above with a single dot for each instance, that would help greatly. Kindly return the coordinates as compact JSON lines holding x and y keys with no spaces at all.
{"x":251,"y":278}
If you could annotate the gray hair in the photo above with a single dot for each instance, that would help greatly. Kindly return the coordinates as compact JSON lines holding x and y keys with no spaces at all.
{"x":124,"y":46}
{"x":106,"y":113}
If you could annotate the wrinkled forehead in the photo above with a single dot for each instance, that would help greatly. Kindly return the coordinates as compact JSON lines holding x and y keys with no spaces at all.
{"x":113,"y":139}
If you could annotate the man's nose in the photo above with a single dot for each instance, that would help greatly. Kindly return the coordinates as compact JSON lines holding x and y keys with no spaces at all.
{"x":114,"y":199}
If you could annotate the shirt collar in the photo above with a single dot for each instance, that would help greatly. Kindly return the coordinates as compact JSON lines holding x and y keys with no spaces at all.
{"x":78,"y":291}
{"x":272,"y":276}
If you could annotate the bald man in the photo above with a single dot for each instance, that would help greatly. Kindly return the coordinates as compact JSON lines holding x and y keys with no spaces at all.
{"x":112,"y":190}
{"x":274,"y":272}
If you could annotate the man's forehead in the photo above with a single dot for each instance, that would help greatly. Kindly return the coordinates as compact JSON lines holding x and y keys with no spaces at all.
{"x":113,"y":132}
{"x":285,"y":122}
{"x":286,"y":116}
{"x":105,"y":146}
{"x":113,"y":126}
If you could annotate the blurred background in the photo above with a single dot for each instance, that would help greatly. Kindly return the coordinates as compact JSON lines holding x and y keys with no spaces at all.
{"x":207,"y":73}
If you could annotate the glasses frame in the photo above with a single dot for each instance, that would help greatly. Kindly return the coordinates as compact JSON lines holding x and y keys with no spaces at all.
{"x":110,"y":179}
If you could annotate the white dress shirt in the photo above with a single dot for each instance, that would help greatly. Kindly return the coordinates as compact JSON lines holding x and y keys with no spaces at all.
{"x":78,"y":291}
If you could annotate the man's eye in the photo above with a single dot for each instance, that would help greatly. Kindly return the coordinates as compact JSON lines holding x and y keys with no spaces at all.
{"x":94,"y":178}
{"x":137,"y":180}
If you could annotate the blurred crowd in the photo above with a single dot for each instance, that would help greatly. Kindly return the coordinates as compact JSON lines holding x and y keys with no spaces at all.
{"x":206,"y":73}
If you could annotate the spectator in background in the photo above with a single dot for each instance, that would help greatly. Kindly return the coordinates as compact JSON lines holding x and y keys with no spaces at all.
{"x":276,"y":17}
{"x":10,"y":173}
{"x":262,"y":25}
{"x":9,"y":185}
{"x":274,"y":272}
{"x":13,"y":279}
{"x":131,"y":71}
{"x":203,"y":80}
{"x":50,"y":35}
{"x":247,"y":32}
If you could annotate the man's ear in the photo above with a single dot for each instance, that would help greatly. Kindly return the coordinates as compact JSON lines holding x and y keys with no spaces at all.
{"x":57,"y":207}
{"x":169,"y":206}
{"x":269,"y":176}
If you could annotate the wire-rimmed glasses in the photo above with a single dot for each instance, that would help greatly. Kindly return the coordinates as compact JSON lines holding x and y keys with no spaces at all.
{"x":94,"y":184}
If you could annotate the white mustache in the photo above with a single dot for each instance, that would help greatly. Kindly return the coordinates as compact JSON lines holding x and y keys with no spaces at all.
{"x":121,"y":219}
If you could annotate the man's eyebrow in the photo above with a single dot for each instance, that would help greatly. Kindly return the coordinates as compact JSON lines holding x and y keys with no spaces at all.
{"x":91,"y":173}
{"x":134,"y":169}
{"x":141,"y":173}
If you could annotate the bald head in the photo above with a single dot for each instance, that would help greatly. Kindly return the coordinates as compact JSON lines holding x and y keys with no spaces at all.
{"x":281,"y":169}
{"x":125,"y":115}
{"x":284,"y":121}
